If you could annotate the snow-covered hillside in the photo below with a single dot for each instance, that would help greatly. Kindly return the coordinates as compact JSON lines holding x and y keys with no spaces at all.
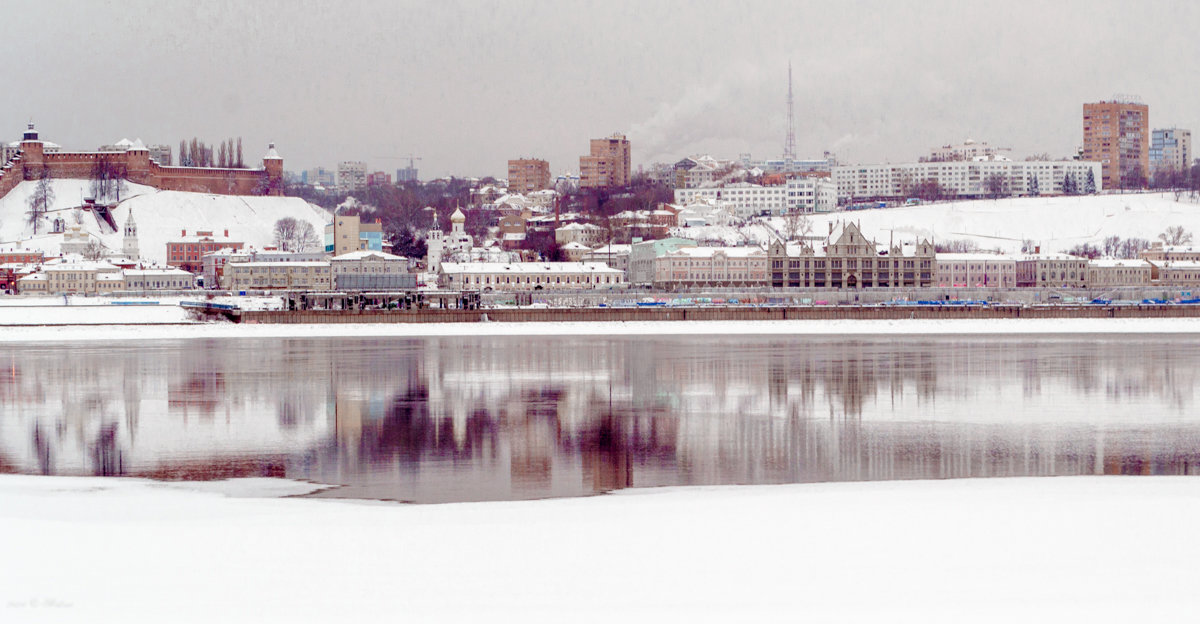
{"x":161,"y":216}
{"x":1054,"y":223}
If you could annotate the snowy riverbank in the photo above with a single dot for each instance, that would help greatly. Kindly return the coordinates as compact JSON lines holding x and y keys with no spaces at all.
{"x":163,"y":329}
{"x":1104,"y":549}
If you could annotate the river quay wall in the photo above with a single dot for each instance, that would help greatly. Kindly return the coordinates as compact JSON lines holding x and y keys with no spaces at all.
{"x":807,"y":313}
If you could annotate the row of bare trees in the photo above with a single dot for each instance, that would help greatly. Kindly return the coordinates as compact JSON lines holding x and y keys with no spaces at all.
{"x":226,"y":154}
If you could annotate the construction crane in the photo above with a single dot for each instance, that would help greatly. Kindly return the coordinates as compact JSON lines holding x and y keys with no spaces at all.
{"x":412,"y":167}
{"x":410,"y":158}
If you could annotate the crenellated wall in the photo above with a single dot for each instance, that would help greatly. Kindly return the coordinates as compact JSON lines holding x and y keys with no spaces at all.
{"x":33,"y":164}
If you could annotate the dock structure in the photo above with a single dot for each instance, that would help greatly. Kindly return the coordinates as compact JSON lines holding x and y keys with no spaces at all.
{"x":307,"y":301}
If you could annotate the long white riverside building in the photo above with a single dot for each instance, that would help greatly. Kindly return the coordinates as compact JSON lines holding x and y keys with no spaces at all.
{"x":964,"y":178}
{"x":528,"y":275}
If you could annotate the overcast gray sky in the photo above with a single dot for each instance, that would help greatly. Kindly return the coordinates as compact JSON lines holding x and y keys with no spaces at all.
{"x":468,"y":85}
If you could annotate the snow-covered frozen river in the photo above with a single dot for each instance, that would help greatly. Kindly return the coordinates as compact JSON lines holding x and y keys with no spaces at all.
{"x":467,"y":418}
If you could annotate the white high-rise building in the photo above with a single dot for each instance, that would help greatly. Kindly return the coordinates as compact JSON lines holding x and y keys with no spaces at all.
{"x":352,"y":176}
{"x":1170,"y":150}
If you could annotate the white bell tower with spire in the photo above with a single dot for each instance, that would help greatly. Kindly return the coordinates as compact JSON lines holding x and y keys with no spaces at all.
{"x":129,"y":246}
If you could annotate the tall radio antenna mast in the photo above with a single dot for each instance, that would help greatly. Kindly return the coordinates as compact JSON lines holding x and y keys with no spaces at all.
{"x":789,"y":144}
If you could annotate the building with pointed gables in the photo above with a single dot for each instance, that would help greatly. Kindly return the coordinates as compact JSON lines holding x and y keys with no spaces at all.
{"x":849,"y":260}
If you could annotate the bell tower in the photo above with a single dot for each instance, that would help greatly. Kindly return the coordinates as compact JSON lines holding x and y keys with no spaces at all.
{"x":129,"y":246}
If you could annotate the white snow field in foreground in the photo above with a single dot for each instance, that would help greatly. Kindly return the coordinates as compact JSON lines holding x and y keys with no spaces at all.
{"x":1097,"y":549}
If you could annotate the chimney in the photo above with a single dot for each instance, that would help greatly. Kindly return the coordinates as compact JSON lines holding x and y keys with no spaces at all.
{"x":226,"y":233}
{"x":183,"y":233}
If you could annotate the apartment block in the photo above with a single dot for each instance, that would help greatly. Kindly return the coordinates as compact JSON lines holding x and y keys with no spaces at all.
{"x":352,"y":176}
{"x":1117,"y":135}
{"x":1170,"y":150}
{"x":526,"y":175}
{"x":607,"y":165}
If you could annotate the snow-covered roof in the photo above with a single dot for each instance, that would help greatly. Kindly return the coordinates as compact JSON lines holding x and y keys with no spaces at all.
{"x":458,"y":216}
{"x":170,"y":271}
{"x":580,"y":226}
{"x":528,"y":268}
{"x":45,"y":144}
{"x":280,"y":263}
{"x":1049,"y":257}
{"x":974,"y":257}
{"x":1117,"y":263}
{"x":137,"y":145}
{"x":85,"y":265}
{"x":367,"y":255}
{"x":271,"y":153}
{"x":207,"y":238}
{"x":616,"y":248}
{"x":1181,"y":265}
{"x":34,"y":277}
{"x":708,"y":252}
{"x":576,"y":246}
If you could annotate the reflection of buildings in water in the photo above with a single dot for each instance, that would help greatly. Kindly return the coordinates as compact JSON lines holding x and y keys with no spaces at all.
{"x":99,"y":408}
{"x":530,"y":417}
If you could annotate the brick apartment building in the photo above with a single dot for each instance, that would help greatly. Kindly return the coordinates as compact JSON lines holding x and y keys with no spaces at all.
{"x":526,"y":175}
{"x":607,"y":165}
{"x":1117,"y":135}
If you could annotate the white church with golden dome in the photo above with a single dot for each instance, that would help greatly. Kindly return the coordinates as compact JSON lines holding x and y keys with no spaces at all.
{"x":441,"y":246}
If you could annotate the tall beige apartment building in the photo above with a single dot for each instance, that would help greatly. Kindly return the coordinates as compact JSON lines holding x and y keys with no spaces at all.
{"x":607,"y":165}
{"x":1117,"y":135}
{"x":526,"y":175}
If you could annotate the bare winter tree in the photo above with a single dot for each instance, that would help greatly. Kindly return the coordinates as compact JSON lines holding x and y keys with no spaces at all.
{"x":796,"y":224}
{"x":222,"y":159}
{"x":184,"y":161}
{"x":1112,"y":246}
{"x":1085,"y":250}
{"x":306,"y":238}
{"x":956,"y":245}
{"x":94,"y":250}
{"x":41,"y":200}
{"x":285,"y":232}
{"x":1132,"y":247}
{"x":240,"y":162}
{"x":292,"y":234}
{"x":1175,"y":235}
{"x":108,"y":179}
{"x":996,"y":185}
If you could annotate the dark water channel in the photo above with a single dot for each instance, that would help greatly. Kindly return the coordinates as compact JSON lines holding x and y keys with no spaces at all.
{"x":483,"y":418}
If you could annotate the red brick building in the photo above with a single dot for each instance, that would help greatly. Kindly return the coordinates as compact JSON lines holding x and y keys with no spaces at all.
{"x":188,"y":252}
{"x":33,"y":162}
{"x":22,"y":256}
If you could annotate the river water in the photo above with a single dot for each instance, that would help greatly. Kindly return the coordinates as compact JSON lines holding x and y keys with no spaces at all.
{"x":493,"y":418}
